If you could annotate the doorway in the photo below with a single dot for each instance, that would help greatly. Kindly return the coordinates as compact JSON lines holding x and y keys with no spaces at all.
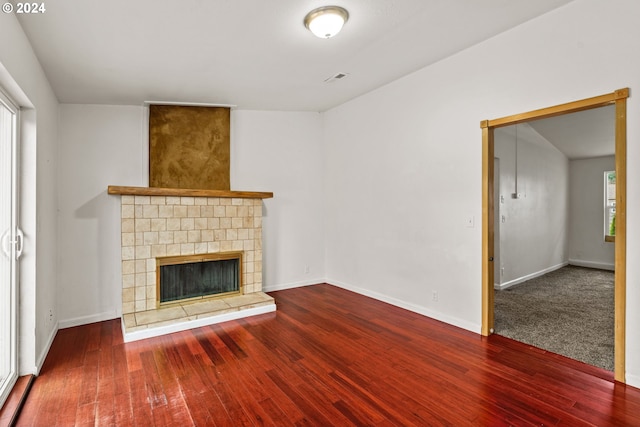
{"x":617,"y":98}
{"x":11,"y":245}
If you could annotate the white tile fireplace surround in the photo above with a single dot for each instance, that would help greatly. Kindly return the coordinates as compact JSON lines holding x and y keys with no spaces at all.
{"x":159,"y":222}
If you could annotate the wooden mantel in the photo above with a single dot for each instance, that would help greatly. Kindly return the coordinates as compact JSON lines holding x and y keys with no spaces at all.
{"x":186,"y":192}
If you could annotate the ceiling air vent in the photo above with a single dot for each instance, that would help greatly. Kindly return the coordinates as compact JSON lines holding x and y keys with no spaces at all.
{"x":336,"y":77}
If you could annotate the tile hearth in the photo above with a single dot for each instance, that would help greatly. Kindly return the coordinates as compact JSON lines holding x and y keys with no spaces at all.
{"x":189,"y":311}
{"x":160,"y":223}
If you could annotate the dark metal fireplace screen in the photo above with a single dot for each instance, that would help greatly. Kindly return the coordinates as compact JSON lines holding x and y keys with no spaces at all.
{"x":196,"y":277}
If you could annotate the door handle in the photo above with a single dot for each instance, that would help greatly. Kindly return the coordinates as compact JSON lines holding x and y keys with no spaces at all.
{"x":19,"y":243}
{"x":6,"y":243}
{"x":490,"y":259}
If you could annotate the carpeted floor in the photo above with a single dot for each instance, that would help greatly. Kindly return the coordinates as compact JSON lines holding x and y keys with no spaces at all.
{"x":569,"y":311}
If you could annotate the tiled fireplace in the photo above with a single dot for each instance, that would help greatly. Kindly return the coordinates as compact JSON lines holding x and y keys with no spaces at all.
{"x":160,"y":223}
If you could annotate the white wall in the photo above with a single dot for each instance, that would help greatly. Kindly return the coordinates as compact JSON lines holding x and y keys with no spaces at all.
{"x":533,"y":237}
{"x":24,"y":79}
{"x":586,"y":224}
{"x":99,"y":146}
{"x":282,"y":152}
{"x":403,"y":163}
{"x":107,"y":145}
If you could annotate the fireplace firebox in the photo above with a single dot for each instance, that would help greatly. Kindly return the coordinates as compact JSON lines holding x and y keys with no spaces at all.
{"x":196,"y":277}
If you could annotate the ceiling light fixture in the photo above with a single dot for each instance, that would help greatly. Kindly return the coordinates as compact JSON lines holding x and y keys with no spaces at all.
{"x":326,"y":21}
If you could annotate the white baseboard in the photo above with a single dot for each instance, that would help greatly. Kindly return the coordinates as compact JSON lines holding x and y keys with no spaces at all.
{"x":85,"y":320}
{"x":183,"y":326}
{"x":283,"y":286}
{"x":469,"y":326}
{"x":633,"y":380}
{"x":45,"y":350}
{"x":592,"y":264}
{"x":505,"y":285}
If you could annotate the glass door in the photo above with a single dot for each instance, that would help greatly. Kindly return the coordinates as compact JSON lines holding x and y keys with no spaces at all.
{"x":10,"y":246}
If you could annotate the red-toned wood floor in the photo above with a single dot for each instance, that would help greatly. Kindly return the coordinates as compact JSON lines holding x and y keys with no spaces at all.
{"x":327,"y":357}
{"x":11,"y":407}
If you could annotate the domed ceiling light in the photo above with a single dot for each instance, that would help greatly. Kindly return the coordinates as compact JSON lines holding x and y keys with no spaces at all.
{"x":326,"y":21}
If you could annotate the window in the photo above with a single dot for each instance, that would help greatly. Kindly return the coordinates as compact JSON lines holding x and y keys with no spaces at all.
{"x":609,"y":206}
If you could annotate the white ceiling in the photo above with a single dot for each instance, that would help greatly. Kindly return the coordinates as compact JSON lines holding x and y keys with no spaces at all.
{"x":582,"y":135}
{"x":255,"y":54}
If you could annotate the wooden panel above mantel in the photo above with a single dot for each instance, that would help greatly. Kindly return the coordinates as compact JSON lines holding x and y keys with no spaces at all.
{"x":186,"y":192}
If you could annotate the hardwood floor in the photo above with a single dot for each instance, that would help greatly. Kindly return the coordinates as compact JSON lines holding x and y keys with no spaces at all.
{"x":327,"y":357}
{"x":13,"y":404}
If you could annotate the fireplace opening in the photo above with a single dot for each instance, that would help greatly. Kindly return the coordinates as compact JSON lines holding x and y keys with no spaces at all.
{"x":195,"y":277}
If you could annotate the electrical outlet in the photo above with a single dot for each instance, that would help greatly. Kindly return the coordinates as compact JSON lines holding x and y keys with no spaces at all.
{"x":306,"y":269}
{"x":434,"y":296}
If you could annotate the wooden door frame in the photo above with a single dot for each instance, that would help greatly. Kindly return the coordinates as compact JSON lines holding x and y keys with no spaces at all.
{"x":617,"y":98}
